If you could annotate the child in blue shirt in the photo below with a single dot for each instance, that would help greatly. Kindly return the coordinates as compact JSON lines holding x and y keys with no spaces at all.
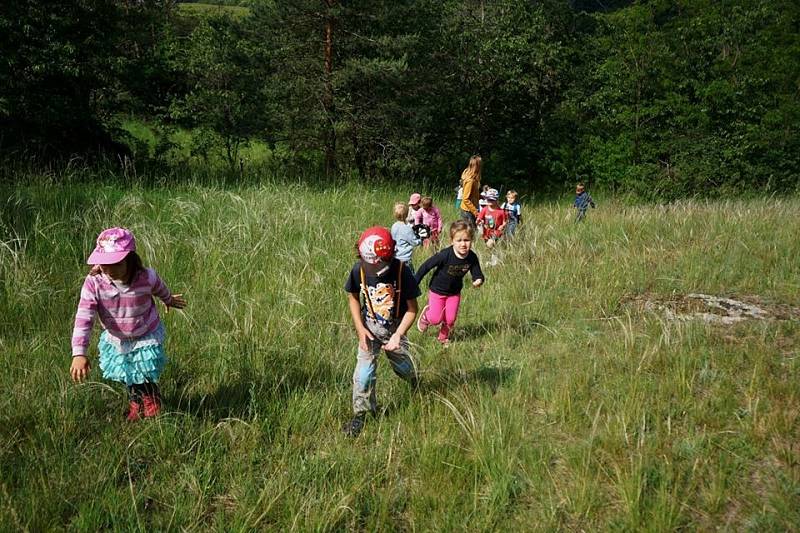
{"x":582,"y":201}
{"x":404,"y":237}
{"x":513,"y":212}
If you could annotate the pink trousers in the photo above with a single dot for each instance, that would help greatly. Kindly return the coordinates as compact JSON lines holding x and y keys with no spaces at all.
{"x":442,"y":310}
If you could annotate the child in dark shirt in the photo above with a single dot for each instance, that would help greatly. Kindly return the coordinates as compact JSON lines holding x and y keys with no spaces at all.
{"x":582,"y":201}
{"x":451,"y":264}
{"x":389,"y":307}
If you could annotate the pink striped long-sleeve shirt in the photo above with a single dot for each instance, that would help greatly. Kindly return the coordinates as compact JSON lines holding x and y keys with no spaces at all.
{"x":125,"y":312}
{"x":432,"y":217}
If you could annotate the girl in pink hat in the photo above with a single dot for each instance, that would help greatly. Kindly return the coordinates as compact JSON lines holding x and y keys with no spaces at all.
{"x":413,"y":207}
{"x":119,"y":291}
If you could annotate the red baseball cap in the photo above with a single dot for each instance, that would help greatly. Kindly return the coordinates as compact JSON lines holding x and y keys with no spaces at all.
{"x":376,"y":245}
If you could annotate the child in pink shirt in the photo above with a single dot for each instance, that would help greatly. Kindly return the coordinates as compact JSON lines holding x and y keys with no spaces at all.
{"x":429,"y":215}
{"x":119,"y":291}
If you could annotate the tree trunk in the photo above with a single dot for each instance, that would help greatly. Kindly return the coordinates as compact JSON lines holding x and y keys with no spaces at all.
{"x":327,"y":96}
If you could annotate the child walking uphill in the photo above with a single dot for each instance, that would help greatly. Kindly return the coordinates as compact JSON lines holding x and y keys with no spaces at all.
{"x":492,"y":219}
{"x":444,"y":294}
{"x":119,"y":291}
{"x":513,"y":212}
{"x":429,"y":215}
{"x":471,"y":183}
{"x":413,"y":207}
{"x":388,"y":310}
{"x":582,"y":202}
{"x":403,"y":235}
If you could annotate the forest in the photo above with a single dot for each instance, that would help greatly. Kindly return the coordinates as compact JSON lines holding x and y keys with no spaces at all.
{"x":660,"y":99}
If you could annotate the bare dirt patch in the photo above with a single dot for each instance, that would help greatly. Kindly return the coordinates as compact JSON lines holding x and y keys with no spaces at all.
{"x":713,"y":309}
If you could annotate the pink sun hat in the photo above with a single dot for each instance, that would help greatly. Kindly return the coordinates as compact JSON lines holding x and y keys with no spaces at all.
{"x":113,"y":245}
{"x":415,"y":198}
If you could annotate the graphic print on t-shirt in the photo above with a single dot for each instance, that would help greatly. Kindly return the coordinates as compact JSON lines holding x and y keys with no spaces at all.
{"x":381,"y":298}
{"x":458,"y":271}
{"x":489,"y":221}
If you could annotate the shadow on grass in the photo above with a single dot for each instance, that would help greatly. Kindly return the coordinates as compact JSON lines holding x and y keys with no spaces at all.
{"x":492,"y":377}
{"x":247,"y":394}
{"x":513,"y":324}
{"x":474,"y":331}
{"x":486,"y":376}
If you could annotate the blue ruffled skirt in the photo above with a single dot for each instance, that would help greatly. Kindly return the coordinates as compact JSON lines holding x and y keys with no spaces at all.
{"x":139,"y":365}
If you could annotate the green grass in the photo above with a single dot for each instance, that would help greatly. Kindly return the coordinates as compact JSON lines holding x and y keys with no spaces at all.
{"x":179,"y":152}
{"x":557,"y":406}
{"x":192,"y":8}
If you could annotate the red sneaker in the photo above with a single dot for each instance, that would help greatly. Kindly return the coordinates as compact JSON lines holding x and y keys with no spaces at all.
{"x":134,"y":411}
{"x":152,"y":405}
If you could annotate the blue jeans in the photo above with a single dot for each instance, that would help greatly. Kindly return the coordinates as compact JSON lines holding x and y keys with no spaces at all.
{"x":366,"y":373}
{"x":511,"y":227}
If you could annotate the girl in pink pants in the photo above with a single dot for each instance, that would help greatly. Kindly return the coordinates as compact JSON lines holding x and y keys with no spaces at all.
{"x":449,"y":266}
{"x":440,"y":310}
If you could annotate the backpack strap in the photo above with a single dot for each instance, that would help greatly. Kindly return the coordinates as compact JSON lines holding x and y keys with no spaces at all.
{"x":398,"y":290}
{"x":365,"y":291}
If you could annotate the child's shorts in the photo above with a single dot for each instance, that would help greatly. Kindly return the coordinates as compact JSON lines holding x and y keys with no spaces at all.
{"x":133,"y":361}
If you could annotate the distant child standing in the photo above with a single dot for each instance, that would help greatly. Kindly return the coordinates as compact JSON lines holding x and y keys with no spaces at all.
{"x":492,"y":219}
{"x":389,"y":307}
{"x":444,"y":294}
{"x":119,"y":291}
{"x":413,"y":207}
{"x":429,"y":215}
{"x":471,"y":182}
{"x":582,"y":201}
{"x":513,"y":212}
{"x":483,"y":202}
{"x":459,"y":196}
{"x":405,"y":240}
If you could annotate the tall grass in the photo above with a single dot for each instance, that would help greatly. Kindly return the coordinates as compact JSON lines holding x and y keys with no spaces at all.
{"x":558,"y":406}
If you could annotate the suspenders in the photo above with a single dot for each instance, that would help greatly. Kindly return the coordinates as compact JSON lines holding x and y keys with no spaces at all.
{"x":397,"y":291}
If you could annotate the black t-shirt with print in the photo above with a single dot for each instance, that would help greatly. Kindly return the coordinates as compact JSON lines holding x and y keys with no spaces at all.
{"x":448,"y":278}
{"x":382,"y":291}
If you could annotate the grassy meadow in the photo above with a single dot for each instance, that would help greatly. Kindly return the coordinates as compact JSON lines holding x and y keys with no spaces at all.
{"x":559,"y":404}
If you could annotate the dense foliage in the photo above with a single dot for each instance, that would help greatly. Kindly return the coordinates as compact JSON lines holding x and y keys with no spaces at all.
{"x":657,"y":97}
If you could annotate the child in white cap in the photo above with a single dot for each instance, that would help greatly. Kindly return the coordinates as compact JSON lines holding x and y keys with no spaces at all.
{"x":119,"y":291}
{"x":492,"y":219}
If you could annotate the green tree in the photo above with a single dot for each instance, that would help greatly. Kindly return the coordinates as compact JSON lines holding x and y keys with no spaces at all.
{"x":67,"y":68}
{"x":498,"y":69}
{"x":690,"y":97}
{"x":224,"y":98}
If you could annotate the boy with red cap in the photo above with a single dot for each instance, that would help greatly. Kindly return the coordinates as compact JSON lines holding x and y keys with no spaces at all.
{"x":381,"y":320}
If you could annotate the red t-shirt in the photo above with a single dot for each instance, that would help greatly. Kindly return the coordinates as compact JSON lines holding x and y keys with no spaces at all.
{"x":492,"y":220}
